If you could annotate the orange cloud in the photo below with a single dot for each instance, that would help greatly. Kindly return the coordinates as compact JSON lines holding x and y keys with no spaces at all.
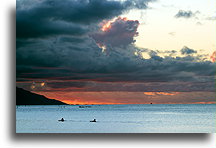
{"x":161,"y":93}
{"x":106,"y":26}
{"x":212,"y":57}
{"x":150,"y":93}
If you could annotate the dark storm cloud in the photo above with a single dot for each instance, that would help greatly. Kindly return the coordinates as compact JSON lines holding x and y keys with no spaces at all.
{"x":85,"y":61}
{"x":54,"y":44}
{"x":185,"y":51}
{"x":67,"y":84}
{"x":121,"y":86}
{"x":60,"y":59}
{"x":31,"y":28}
{"x":185,"y":14}
{"x":120,"y":32}
{"x":71,"y":17}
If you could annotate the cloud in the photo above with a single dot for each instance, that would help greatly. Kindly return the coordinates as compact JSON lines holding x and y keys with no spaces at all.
{"x":172,"y":33}
{"x":213,"y":56}
{"x":119,"y":32}
{"x":57,"y":42}
{"x":186,"y":51}
{"x":93,"y":86}
{"x":161,"y":93}
{"x":212,"y":18}
{"x":86,"y":62}
{"x":186,"y":14}
{"x":199,"y":23}
{"x":80,"y":59}
{"x":72,"y":17}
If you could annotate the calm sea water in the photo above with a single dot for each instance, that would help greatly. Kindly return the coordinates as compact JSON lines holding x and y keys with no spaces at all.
{"x":155,"y":118}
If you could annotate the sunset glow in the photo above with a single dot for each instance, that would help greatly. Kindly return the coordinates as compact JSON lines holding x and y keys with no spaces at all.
{"x":42,"y":84}
{"x":106,"y":26}
{"x":161,"y":93}
{"x":213,"y":56}
{"x":125,"y":97}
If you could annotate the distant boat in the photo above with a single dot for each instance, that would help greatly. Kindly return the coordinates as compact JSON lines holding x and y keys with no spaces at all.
{"x":84,"y":106}
{"x":93,"y":120}
{"x":62,"y":120}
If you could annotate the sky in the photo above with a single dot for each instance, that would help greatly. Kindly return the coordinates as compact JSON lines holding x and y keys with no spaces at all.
{"x":117,"y":52}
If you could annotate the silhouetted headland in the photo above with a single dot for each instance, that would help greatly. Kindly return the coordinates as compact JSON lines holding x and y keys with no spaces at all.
{"x":24,"y":97}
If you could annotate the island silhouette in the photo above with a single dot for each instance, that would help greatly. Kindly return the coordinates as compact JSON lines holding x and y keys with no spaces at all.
{"x":24,"y":97}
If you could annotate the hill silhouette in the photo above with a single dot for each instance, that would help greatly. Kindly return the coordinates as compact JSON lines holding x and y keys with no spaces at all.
{"x":24,"y":97}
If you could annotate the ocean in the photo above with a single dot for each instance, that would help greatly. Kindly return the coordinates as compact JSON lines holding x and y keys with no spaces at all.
{"x":142,"y":118}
